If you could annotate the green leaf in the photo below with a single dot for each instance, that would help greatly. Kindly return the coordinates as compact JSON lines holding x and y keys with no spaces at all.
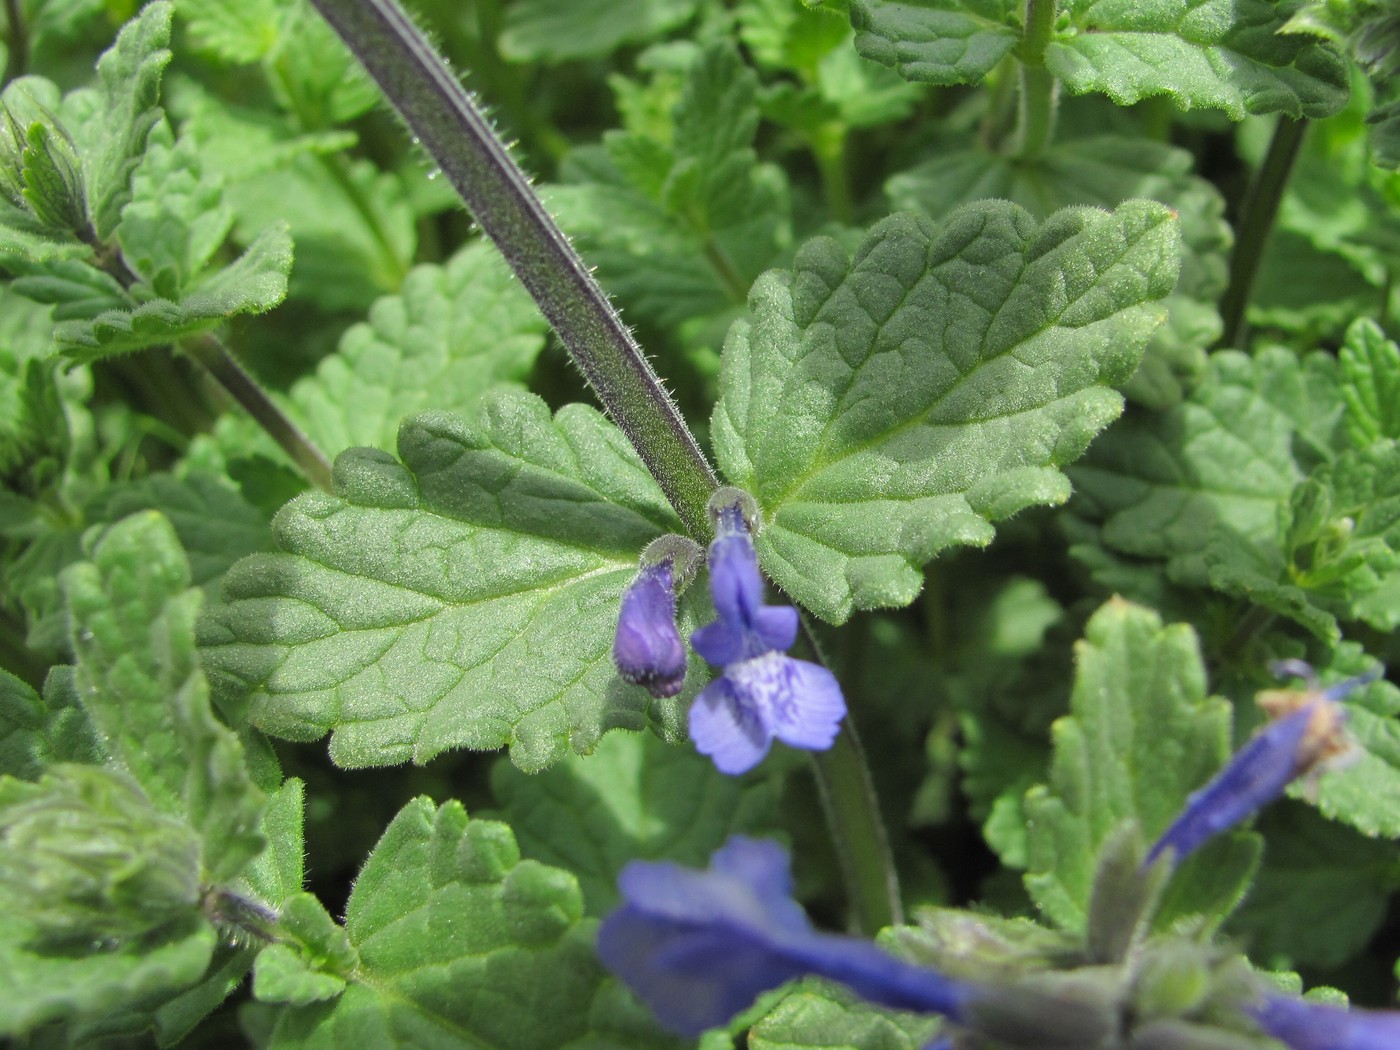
{"x":254,"y":283}
{"x":35,"y":733}
{"x":1141,"y":735}
{"x":937,"y":41}
{"x":681,"y":218}
{"x":454,"y":333}
{"x":874,"y":436}
{"x":1321,"y":895}
{"x":1364,"y":790}
{"x":1161,"y":484}
{"x":465,"y":597}
{"x":239,"y":31}
{"x":312,"y":961}
{"x":312,"y":73}
{"x":1105,"y":170}
{"x":634,"y":798}
{"x":815,"y":1015}
{"x":1370,"y":375}
{"x":460,"y":944}
{"x":552,"y":31}
{"x":139,"y":678}
{"x":1206,"y":53}
{"x":129,"y":75}
{"x":176,"y":219}
{"x":277,"y":873}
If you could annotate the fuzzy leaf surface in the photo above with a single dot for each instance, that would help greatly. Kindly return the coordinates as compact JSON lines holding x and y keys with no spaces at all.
{"x":817,"y":1016}
{"x":885,"y":407}
{"x":1222,"y":54}
{"x":550,"y":31}
{"x":936,"y":41}
{"x":138,"y":675}
{"x":1141,"y":735}
{"x":464,"y":595}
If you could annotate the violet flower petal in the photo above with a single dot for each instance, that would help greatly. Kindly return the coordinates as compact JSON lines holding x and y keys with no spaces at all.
{"x":647,"y":647}
{"x":1318,"y":1026}
{"x":728,"y":728}
{"x":698,"y":947}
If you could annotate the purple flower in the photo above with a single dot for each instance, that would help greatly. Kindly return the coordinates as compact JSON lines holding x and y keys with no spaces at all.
{"x":647,"y":648}
{"x":1307,"y":729}
{"x":699,"y":946}
{"x":1316,"y":1026}
{"x":763,"y":693}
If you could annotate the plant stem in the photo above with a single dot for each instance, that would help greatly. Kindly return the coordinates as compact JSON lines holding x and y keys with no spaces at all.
{"x":440,"y":113}
{"x":828,"y":146}
{"x":1257,"y":214}
{"x":1040,"y":92}
{"x":18,"y":40}
{"x":857,"y":829}
{"x":215,"y":358}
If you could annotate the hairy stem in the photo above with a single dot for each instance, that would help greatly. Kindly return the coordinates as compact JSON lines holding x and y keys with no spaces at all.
{"x":1040,"y":92}
{"x":857,"y":829}
{"x":453,"y":131}
{"x":215,"y":358}
{"x":1257,"y":215}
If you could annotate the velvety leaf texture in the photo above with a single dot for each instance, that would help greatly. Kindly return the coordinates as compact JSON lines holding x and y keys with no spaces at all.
{"x":937,"y":41}
{"x":885,"y":407}
{"x":550,"y":31}
{"x":1224,"y":54}
{"x":460,"y":944}
{"x":464,"y":597}
{"x":1141,"y":735}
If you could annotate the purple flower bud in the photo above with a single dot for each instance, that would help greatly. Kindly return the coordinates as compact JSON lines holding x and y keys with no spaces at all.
{"x":699,"y":946}
{"x":1317,"y":1026}
{"x":1306,"y":730}
{"x":763,"y":693}
{"x":647,"y":647}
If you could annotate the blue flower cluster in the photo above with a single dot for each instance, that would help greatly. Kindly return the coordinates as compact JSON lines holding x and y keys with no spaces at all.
{"x":699,"y":946}
{"x":762,"y":694}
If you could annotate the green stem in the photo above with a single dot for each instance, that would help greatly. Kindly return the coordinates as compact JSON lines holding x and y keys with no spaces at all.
{"x":18,"y":41}
{"x":1040,"y":91}
{"x":453,"y":131}
{"x":725,"y":270}
{"x":215,"y":358}
{"x":1257,"y":214}
{"x":857,"y":829}
{"x":829,"y":148}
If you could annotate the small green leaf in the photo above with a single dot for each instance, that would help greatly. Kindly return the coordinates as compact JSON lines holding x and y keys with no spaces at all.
{"x":466,"y":597}
{"x":634,"y":798}
{"x":814,"y":1015}
{"x":1225,"y":56}
{"x":254,"y":283}
{"x":460,"y":944}
{"x":129,"y":75}
{"x":887,"y":407}
{"x":35,"y":734}
{"x":1370,"y":375}
{"x":176,"y":219}
{"x":313,"y":960}
{"x":937,"y":41}
{"x":1141,"y":735}
{"x":558,"y":30}
{"x":139,"y":679}
{"x":277,"y":873}
{"x":239,"y":31}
